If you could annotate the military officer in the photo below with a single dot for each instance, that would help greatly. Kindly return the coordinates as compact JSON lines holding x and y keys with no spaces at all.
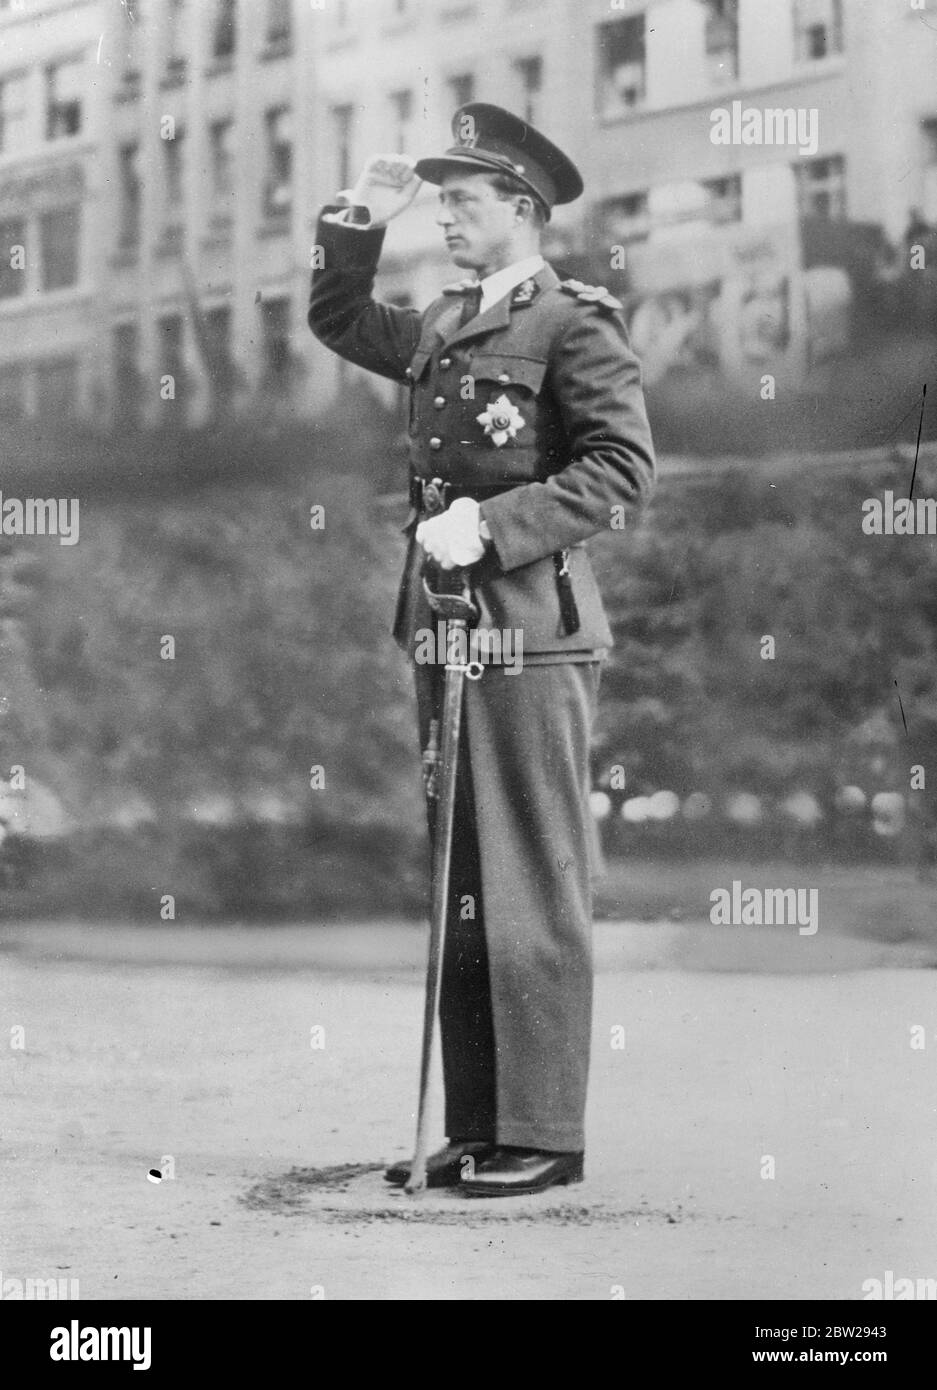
{"x":527,"y":433}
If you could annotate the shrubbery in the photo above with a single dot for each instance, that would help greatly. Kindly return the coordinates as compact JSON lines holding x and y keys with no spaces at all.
{"x":191,"y":777}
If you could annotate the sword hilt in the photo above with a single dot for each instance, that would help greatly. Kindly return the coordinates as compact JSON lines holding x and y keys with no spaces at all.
{"x":450,"y":594}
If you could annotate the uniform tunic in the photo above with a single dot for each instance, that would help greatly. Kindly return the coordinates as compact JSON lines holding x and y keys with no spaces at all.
{"x":554,"y":364}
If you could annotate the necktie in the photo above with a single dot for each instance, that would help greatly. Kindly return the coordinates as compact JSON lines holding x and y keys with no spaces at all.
{"x":471,"y":305}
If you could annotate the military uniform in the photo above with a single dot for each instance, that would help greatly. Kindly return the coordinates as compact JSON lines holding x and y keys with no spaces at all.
{"x":563,"y":439}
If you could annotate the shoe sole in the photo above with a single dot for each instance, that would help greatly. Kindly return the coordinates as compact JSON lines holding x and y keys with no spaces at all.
{"x":568,"y":1180}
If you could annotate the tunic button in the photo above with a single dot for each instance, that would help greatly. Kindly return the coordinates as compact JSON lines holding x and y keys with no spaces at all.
{"x":503,"y":379}
{"x":439,"y":402}
{"x":445,"y":362}
{"x":409,"y":374}
{"x":435,"y":443}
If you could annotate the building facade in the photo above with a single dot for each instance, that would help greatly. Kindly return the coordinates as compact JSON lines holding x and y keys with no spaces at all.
{"x":210,"y":187}
{"x":162,"y":161}
{"x":52,"y":206}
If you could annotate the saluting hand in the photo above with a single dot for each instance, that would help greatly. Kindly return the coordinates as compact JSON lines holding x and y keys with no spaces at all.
{"x":386,"y":186}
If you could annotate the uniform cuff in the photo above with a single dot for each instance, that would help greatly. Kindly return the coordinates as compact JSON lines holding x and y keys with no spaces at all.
{"x":485,"y":532}
{"x":358,"y":247}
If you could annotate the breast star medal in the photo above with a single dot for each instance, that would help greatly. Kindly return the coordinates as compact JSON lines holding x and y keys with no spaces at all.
{"x":501,"y":421}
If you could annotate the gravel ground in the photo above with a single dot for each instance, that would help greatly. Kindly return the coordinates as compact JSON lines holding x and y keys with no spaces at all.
{"x":741,"y":1046}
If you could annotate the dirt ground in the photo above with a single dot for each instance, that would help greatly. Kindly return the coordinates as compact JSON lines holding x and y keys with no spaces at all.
{"x":746,"y":1051}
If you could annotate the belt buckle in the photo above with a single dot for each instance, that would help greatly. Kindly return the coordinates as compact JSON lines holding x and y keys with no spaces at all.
{"x":434,"y":496}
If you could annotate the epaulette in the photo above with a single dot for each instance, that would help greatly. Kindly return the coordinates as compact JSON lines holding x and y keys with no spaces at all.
{"x":591,"y":294}
{"x":459,"y":286}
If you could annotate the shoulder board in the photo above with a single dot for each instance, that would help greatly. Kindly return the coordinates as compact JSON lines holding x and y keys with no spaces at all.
{"x":591,"y":294}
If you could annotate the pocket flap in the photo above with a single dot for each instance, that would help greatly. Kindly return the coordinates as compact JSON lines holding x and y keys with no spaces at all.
{"x":504,"y":370}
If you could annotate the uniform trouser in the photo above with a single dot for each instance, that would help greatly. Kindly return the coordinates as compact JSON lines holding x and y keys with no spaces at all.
{"x":516,"y":999}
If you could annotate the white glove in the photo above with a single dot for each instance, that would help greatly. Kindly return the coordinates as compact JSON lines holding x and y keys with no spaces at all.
{"x":387,"y":185}
{"x":452,"y":539}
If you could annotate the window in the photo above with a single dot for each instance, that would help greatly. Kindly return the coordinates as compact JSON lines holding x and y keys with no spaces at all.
{"x":169,"y":333}
{"x":224,"y":33}
{"x":175,"y":46}
{"x":722,"y":40}
{"x":929,"y":132}
{"x":818,"y":28}
{"x":12,"y":112}
{"x":59,"y":237}
{"x":279,"y":22}
{"x":12,"y":392}
{"x":461,"y":89}
{"x":221,"y":143}
{"x":621,"y":65}
{"x":221,"y":367}
{"x":724,"y":197}
{"x":12,"y":257}
{"x":625,"y":219}
{"x":821,"y":188}
{"x":132,"y":40}
{"x":343,"y":125}
{"x":278,"y":191}
{"x":129,"y":205}
{"x":529,"y":72}
{"x":128,"y":394}
{"x":218,"y":325}
{"x":401,"y":106}
{"x":57,"y":389}
{"x":64,"y":83}
{"x":275,"y":319}
{"x":173,"y":187}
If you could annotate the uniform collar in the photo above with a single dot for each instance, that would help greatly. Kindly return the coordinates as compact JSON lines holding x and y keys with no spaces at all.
{"x":498,"y":315}
{"x":496,"y":286}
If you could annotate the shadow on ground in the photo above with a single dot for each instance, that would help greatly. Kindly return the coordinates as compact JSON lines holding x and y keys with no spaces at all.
{"x":355,"y":1192}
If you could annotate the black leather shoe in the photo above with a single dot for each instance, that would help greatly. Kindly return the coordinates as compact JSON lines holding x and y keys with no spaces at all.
{"x":513,"y":1172}
{"x":443,"y":1168}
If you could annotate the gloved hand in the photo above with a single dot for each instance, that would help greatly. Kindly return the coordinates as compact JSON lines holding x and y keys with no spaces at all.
{"x":452,"y":539}
{"x":386,"y":186}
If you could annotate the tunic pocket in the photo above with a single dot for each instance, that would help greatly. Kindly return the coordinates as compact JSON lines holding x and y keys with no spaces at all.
{"x":501,"y":369}
{"x":503,"y":413}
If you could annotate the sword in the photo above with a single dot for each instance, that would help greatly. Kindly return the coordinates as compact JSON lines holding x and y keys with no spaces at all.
{"x":453,"y":602}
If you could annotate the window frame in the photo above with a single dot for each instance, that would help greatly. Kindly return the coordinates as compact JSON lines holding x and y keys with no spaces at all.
{"x":43,"y":220}
{"x":55,"y":109}
{"x":605,"y":69}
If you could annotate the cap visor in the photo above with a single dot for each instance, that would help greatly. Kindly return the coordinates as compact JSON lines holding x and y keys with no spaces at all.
{"x":435,"y":170}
